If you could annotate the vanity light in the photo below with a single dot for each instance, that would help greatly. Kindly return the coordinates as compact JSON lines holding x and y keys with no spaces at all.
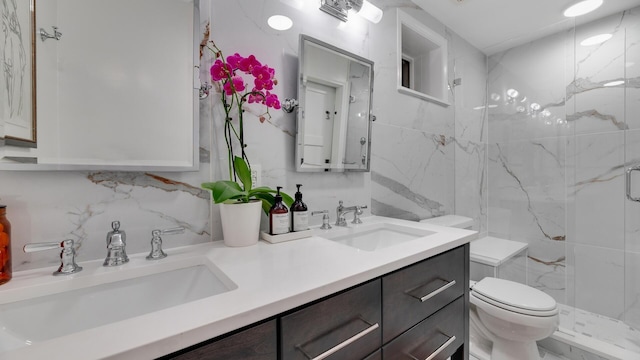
{"x":340,"y":9}
{"x":280,"y":22}
{"x":614,"y":83}
{"x":595,"y":40}
{"x":370,"y":12}
{"x":583,"y":7}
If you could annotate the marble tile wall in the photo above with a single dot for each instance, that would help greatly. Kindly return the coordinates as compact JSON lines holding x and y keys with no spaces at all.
{"x":428,"y":159}
{"x":556,"y":169}
{"x":415,"y":144}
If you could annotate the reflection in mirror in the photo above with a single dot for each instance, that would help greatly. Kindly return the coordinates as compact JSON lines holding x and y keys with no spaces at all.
{"x":334,"y":115}
{"x":116,"y":86}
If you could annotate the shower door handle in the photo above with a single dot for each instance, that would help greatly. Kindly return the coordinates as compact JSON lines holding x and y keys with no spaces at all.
{"x":628,"y":181}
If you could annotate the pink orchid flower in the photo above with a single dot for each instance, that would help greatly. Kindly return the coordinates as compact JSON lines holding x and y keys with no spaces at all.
{"x":271,"y":100}
{"x":256,"y":97}
{"x":219,"y":70}
{"x":234,"y":60}
{"x":248,"y":64}
{"x":238,"y":85}
{"x":263,"y":77}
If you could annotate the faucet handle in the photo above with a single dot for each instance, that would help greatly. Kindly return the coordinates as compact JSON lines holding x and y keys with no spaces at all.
{"x":156,"y":242}
{"x":67,"y":255}
{"x":357,"y":213}
{"x":325,"y":218}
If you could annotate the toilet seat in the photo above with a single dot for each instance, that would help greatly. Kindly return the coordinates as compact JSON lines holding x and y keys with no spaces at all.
{"x":515,"y":297}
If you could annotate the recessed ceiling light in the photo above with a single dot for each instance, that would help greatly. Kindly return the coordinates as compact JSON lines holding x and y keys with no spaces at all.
{"x":595,"y":40}
{"x":512,"y":93}
{"x":614,"y":83}
{"x":581,"y":8}
{"x":280,"y":22}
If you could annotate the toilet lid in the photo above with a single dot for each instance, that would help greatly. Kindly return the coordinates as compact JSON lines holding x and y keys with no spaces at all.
{"x":514,"y":295}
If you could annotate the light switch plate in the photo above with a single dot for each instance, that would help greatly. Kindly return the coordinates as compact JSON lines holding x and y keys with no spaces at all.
{"x":256,"y":178}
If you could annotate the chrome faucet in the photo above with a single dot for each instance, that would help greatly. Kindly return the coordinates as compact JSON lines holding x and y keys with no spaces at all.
{"x":341,"y":211}
{"x":67,"y":255}
{"x":156,"y":242}
{"x":325,"y":218}
{"x":116,"y":246}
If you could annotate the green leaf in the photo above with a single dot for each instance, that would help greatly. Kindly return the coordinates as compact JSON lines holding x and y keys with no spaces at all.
{"x":243,"y":172}
{"x":288,"y":200}
{"x":267,"y":200}
{"x":225,"y":190}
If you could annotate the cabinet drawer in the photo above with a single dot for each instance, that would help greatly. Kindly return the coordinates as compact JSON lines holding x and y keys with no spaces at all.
{"x":413,"y":293}
{"x":256,"y":343}
{"x":440,"y":335}
{"x":375,"y":356}
{"x":346,"y":326}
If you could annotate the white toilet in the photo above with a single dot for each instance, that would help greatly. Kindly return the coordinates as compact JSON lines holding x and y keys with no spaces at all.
{"x":506,"y":317}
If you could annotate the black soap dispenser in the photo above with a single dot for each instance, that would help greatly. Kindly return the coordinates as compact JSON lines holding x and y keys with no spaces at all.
{"x":299,"y":213}
{"x":278,"y":216}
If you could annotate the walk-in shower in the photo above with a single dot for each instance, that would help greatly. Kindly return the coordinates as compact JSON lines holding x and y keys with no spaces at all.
{"x":563,"y":128}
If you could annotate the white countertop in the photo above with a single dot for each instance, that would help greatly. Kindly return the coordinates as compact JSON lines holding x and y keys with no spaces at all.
{"x":270,"y":279}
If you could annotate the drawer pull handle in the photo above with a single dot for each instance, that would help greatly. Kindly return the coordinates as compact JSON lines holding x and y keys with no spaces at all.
{"x":437,"y":291}
{"x":346,"y":342}
{"x":439,"y":349}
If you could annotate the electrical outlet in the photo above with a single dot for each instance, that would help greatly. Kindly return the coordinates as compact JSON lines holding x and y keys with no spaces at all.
{"x":256,"y":177}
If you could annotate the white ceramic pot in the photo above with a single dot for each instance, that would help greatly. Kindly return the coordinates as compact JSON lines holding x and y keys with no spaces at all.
{"x":241,"y":223}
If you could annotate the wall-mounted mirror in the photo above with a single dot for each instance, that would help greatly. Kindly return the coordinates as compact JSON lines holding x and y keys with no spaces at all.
{"x":116,"y":85}
{"x":334,"y":115}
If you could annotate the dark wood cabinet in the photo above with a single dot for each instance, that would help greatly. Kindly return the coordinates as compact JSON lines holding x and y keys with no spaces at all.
{"x":437,"y":337}
{"x":259,"y":342}
{"x":345,"y":326}
{"x":411,"y":313}
{"x":415,"y":292}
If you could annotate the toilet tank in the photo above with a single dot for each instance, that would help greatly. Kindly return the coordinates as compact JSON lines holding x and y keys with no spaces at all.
{"x":499,"y":258}
{"x":490,"y":256}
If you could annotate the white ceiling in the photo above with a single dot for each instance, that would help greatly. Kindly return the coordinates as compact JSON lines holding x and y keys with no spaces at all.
{"x":497,"y":25}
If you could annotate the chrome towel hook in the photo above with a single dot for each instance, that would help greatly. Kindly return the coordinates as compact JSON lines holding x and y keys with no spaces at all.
{"x":44,"y":35}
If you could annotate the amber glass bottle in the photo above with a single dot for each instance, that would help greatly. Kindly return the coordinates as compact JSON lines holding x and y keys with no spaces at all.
{"x":278,"y":216}
{"x":5,"y":246}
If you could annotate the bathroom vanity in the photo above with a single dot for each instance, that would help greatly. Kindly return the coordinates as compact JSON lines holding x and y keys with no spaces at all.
{"x":292,"y":300}
{"x":420,"y":311}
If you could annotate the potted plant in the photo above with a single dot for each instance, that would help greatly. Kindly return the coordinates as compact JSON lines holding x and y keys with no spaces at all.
{"x":240,"y":203}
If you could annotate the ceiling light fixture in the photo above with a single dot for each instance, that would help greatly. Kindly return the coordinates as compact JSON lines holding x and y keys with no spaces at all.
{"x":340,"y":9}
{"x":280,"y":22}
{"x":582,"y":7}
{"x":595,"y":40}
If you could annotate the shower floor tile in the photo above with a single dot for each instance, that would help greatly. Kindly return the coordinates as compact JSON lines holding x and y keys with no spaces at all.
{"x":600,"y":327}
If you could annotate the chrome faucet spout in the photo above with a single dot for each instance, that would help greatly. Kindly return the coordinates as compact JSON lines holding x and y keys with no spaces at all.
{"x":116,"y":246}
{"x":342,"y":210}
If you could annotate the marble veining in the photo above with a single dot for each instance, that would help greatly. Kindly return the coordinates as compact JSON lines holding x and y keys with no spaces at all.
{"x":114,"y":180}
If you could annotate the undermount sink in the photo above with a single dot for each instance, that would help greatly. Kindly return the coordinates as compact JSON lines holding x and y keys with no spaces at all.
{"x":372,"y":237}
{"x":121,"y":294}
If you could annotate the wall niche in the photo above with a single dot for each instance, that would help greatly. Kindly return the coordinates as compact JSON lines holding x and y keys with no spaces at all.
{"x":422,"y":61}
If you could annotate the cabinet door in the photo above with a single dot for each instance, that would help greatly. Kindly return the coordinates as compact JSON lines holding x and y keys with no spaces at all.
{"x":345,"y":326}
{"x":415,"y":292}
{"x":256,"y":343}
{"x":375,"y":356}
{"x":438,"y":337}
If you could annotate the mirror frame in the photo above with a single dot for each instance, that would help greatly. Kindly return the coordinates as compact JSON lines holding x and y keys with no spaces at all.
{"x":30,"y":164}
{"x":301,"y":98}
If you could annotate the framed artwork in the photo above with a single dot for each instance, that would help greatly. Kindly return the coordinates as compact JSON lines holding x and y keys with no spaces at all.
{"x":17,"y":73}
